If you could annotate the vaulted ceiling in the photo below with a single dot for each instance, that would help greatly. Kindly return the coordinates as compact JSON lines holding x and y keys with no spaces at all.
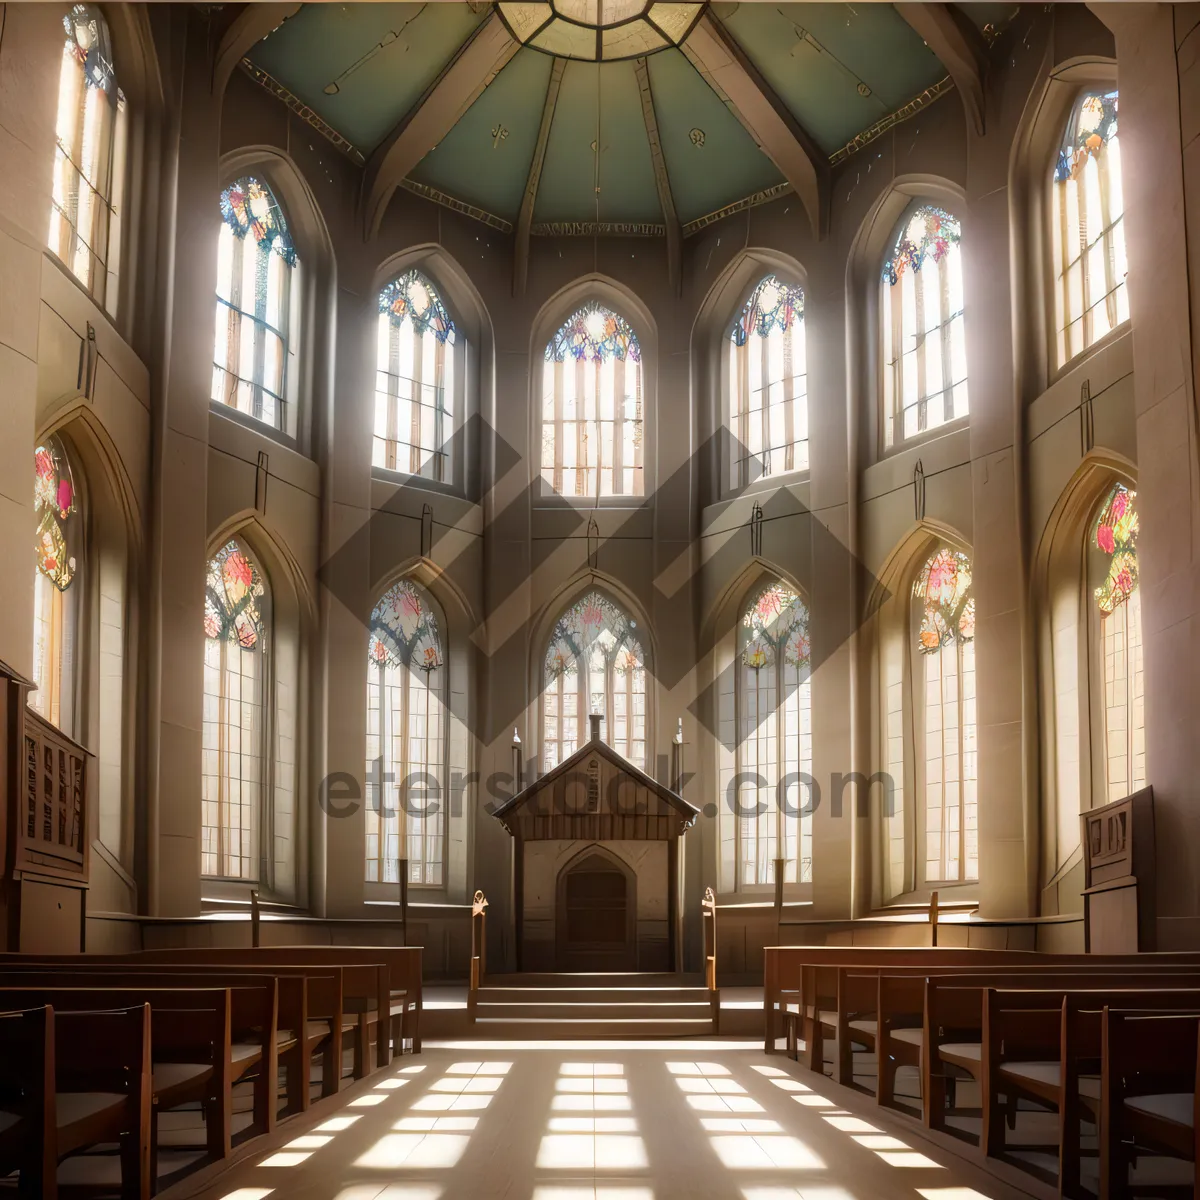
{"x":445,"y":99}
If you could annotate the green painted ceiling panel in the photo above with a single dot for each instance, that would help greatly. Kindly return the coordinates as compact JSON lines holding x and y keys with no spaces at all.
{"x":472,"y":162}
{"x":728,"y":166}
{"x":381,"y":57}
{"x":626,"y":177}
{"x":816,"y":55}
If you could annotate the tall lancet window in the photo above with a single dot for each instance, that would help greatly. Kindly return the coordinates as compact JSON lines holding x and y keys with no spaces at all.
{"x":414,"y":380}
{"x":256,"y":270}
{"x":1087,"y":227}
{"x":944,"y":710}
{"x":56,"y":586}
{"x":89,"y":157}
{"x":774,"y":738}
{"x":406,"y":740}
{"x":924,"y":346}
{"x":235,"y":729}
{"x":592,"y":407}
{"x":594,"y":664}
{"x":1120,"y":609}
{"x":768,"y":384}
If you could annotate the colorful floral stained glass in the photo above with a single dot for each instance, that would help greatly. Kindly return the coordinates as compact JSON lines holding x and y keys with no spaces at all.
{"x":249,"y":207}
{"x":593,"y":627}
{"x":928,"y":233}
{"x":87,"y":40}
{"x":53,"y":505}
{"x":592,"y":334}
{"x":944,"y":586}
{"x":772,"y":305}
{"x":403,"y":630}
{"x":1093,"y":126}
{"x":777,"y":622}
{"x":233,"y":598}
{"x":412,"y":297}
{"x":1116,"y":535}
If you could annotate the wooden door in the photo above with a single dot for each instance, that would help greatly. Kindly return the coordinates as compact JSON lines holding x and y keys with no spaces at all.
{"x":596,"y":925}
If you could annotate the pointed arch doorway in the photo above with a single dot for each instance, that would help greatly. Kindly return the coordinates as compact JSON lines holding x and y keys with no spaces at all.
{"x":596,"y":913}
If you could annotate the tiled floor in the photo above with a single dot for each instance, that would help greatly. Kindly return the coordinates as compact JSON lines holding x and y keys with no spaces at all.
{"x":688,"y":1119}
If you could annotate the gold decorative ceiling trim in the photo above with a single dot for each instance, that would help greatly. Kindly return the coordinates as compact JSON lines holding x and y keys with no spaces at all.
{"x":459,"y":206}
{"x":919,"y":102}
{"x":599,"y":229}
{"x":752,"y":201}
{"x":306,"y":114}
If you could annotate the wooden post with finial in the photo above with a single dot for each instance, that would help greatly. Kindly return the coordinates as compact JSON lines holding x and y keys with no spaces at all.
{"x":255,"y":918}
{"x":933,"y":918}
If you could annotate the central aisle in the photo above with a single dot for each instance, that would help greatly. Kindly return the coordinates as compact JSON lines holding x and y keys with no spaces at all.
{"x":699,"y":1120}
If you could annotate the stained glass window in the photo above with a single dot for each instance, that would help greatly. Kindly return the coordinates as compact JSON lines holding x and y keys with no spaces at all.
{"x":57,"y":550}
{"x":89,"y":156}
{"x":1119,"y":602}
{"x":414,"y":379}
{"x":768,"y":383}
{"x":1087,"y":227}
{"x":234,"y":781}
{"x":774,"y":698}
{"x":256,"y":268}
{"x":594,"y":664}
{"x":924,"y":345}
{"x":592,"y":401}
{"x":406,"y":739}
{"x":944,"y":695}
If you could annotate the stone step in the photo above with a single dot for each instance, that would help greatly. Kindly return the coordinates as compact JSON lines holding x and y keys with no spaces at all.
{"x":596,"y":1011}
{"x":593,"y":979}
{"x":565,"y":1029}
{"x":591,"y":995}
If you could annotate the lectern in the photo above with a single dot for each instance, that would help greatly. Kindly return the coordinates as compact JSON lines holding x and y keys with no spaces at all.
{"x":1118,"y":866}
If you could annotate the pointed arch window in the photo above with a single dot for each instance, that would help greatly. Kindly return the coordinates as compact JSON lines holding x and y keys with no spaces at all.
{"x":89,"y":156}
{"x":592,"y":407}
{"x":594,"y":663}
{"x":1119,"y":604}
{"x":774,"y":717}
{"x":257,"y":268}
{"x":235,"y":732}
{"x":56,"y":593}
{"x":944,"y":711}
{"x":768,"y":383}
{"x":924,"y":344}
{"x":414,"y":380}
{"x":407,"y":725}
{"x":1087,"y":227}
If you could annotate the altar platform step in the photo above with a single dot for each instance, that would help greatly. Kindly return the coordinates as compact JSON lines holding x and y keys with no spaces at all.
{"x":592,"y":1005}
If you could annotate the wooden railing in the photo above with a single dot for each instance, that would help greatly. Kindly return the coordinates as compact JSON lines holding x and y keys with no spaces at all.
{"x":478,"y":950}
{"x":710,"y":956}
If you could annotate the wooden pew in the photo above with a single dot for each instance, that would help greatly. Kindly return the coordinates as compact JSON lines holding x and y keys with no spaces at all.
{"x":403,"y":965}
{"x":1149,"y":1092}
{"x":75,"y":1080}
{"x":1046,"y":1046}
{"x":256,"y":1040}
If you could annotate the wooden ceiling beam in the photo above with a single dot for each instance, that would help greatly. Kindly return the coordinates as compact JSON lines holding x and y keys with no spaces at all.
{"x":244,"y":32}
{"x":959,"y":47}
{"x":478,"y":61}
{"x":730,"y":73}
{"x":529,"y":199}
{"x":661,"y":179}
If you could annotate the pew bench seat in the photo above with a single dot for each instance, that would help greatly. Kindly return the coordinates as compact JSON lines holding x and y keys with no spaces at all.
{"x":1175,"y":1108}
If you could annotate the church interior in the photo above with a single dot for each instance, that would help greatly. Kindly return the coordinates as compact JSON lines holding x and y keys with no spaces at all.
{"x":482,"y":719}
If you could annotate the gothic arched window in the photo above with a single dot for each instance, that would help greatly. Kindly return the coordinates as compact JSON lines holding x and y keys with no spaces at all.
{"x":414,"y":380}
{"x":1087,"y":227}
{"x":235,"y":776}
{"x":406,"y":740}
{"x":594,"y":664}
{"x":89,"y":156}
{"x":768,"y":384}
{"x":924,"y":345}
{"x":56,"y":592}
{"x":592,"y":407}
{"x":1119,"y":603}
{"x":774,"y":738}
{"x":944,"y":718}
{"x":256,"y":269}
